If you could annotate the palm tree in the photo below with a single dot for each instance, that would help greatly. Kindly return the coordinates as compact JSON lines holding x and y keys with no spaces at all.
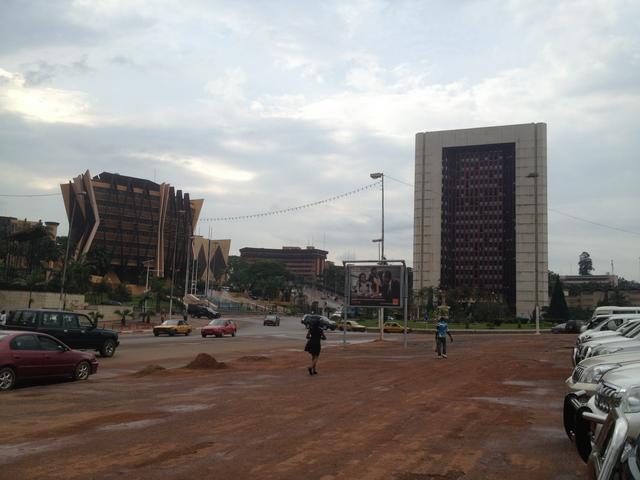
{"x":123,"y":315}
{"x":95,"y":317}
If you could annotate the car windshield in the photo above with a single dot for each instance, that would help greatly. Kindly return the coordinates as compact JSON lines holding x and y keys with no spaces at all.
{"x":627,"y":328}
{"x":217,"y":323}
{"x":170,"y":322}
{"x":271,"y":317}
{"x":633,"y":333}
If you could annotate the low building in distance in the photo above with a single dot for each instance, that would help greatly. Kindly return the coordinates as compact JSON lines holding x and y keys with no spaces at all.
{"x":600,"y":280}
{"x":480,"y":212}
{"x":133,"y":221}
{"x":306,"y":262}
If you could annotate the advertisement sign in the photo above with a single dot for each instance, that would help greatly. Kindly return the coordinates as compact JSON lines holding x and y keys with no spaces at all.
{"x":375,"y":285}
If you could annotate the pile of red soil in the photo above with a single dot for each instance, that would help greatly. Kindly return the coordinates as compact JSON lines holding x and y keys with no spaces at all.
{"x":205,"y":361}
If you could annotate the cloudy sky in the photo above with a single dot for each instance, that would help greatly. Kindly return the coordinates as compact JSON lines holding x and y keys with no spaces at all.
{"x":260,"y":106}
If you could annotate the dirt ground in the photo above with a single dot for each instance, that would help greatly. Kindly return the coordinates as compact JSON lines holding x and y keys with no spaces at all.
{"x":493,"y":410}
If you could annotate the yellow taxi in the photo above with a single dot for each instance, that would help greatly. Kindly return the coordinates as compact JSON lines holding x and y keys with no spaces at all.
{"x":171,"y":327}
{"x":394,"y":327}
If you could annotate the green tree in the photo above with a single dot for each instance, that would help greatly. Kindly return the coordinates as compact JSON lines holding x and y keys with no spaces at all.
{"x":619,"y":299}
{"x":95,"y":317}
{"x":268,"y":278}
{"x":99,"y":259}
{"x":239,"y":278}
{"x":121,"y":293}
{"x":123,"y":314}
{"x":558,"y":306}
{"x":585,"y":264}
{"x":158,"y":288}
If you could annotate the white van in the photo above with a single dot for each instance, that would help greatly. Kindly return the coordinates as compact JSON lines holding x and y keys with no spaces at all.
{"x":613,"y":310}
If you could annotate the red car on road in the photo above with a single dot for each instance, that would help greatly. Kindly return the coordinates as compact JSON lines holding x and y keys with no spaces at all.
{"x":37,"y":355}
{"x":219,"y":327}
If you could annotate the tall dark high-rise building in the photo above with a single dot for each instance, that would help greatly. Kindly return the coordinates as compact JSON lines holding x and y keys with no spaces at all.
{"x":481,"y":213}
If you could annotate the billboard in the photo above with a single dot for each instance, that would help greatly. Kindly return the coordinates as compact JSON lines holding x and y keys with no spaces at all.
{"x":375,"y":285}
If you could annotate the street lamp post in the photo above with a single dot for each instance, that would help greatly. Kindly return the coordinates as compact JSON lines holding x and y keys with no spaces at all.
{"x":63,"y":303}
{"x":173,"y":266}
{"x":378,"y":241}
{"x":146,"y":263}
{"x":535,"y":176}
{"x":375,"y":176}
{"x":186,"y":277}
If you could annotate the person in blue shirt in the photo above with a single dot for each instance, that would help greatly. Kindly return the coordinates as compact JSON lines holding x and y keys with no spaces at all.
{"x":442,"y":330}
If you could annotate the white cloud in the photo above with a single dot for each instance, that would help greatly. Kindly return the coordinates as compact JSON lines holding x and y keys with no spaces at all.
{"x":49,"y":105}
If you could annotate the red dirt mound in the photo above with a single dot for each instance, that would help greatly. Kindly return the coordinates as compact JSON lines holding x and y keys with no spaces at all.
{"x":205,"y":361}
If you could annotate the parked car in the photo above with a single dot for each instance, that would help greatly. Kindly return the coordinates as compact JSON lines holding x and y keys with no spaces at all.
{"x":394,"y":327}
{"x":583,"y":383}
{"x":352,"y":326}
{"x":572,"y":326}
{"x":197,"y":311}
{"x":219,"y":327}
{"x":171,"y":327}
{"x":606,"y":345}
{"x":73,"y":329}
{"x":271,"y":320}
{"x":25,"y":354}
{"x":321,"y":320}
{"x":613,"y":418}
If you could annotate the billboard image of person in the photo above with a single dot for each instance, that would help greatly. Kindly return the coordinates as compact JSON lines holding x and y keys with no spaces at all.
{"x":375,"y":285}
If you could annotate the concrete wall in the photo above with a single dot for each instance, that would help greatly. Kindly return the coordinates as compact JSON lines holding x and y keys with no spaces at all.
{"x":14,"y":299}
{"x":531,"y":157}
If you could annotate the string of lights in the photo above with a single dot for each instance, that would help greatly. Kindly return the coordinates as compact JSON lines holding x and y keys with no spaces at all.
{"x":32,"y":195}
{"x":291,"y":209}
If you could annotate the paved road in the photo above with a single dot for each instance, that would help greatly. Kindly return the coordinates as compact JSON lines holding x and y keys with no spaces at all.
{"x":139,"y":350}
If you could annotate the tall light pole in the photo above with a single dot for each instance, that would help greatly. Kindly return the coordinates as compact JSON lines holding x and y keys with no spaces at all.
{"x":378,"y":241}
{"x":535,"y":176}
{"x":375,"y":176}
{"x":186,"y":277}
{"x":63,"y":302}
{"x":147,"y":263}
{"x":173,"y":266}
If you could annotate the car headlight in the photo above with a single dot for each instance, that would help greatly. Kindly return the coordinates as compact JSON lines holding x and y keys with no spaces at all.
{"x":631,"y":400}
{"x":595,"y":374}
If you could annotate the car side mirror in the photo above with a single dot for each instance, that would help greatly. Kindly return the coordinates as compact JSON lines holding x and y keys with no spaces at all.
{"x":62,"y":348}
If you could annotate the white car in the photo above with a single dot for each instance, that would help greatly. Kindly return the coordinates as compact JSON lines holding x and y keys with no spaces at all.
{"x":614,"y":417}
{"x":614,"y":324}
{"x":587,"y":349}
{"x":583,"y":383}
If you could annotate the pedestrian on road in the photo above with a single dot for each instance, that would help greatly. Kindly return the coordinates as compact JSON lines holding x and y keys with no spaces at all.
{"x":163,"y":316}
{"x":3,"y":318}
{"x":442,"y":330}
{"x":314,"y":336}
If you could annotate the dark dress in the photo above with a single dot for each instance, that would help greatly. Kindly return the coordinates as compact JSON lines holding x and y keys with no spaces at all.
{"x":313,"y":343}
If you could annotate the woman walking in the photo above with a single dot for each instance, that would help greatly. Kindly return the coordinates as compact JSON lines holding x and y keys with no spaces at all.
{"x":314,"y":336}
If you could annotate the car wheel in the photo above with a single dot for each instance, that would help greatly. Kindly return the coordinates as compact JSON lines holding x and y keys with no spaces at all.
{"x":172,"y":333}
{"x":108,"y":349}
{"x":7,"y":378}
{"x":219,"y":335}
{"x":204,"y":335}
{"x":82,"y":372}
{"x":188,"y":333}
{"x":156,"y":333}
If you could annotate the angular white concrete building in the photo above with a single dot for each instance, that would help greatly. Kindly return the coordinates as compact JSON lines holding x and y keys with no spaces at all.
{"x":480,"y":212}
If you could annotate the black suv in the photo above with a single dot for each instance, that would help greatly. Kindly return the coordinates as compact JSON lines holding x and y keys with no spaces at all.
{"x":198,"y":311}
{"x":74,"y":329}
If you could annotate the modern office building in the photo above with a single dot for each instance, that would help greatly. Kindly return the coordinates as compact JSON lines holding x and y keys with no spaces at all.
{"x":480,"y":212}
{"x":210,"y":259}
{"x":14,"y":232}
{"x":306,"y":262}
{"x":136,"y":222}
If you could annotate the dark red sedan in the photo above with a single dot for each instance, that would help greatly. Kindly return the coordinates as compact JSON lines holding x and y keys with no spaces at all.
{"x":26,"y":355}
{"x":219,"y":327}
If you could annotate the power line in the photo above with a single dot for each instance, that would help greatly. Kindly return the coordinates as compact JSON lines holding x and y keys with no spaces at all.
{"x":33,"y":195}
{"x":594,"y":223}
{"x":399,"y":181}
{"x":291,"y":209}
